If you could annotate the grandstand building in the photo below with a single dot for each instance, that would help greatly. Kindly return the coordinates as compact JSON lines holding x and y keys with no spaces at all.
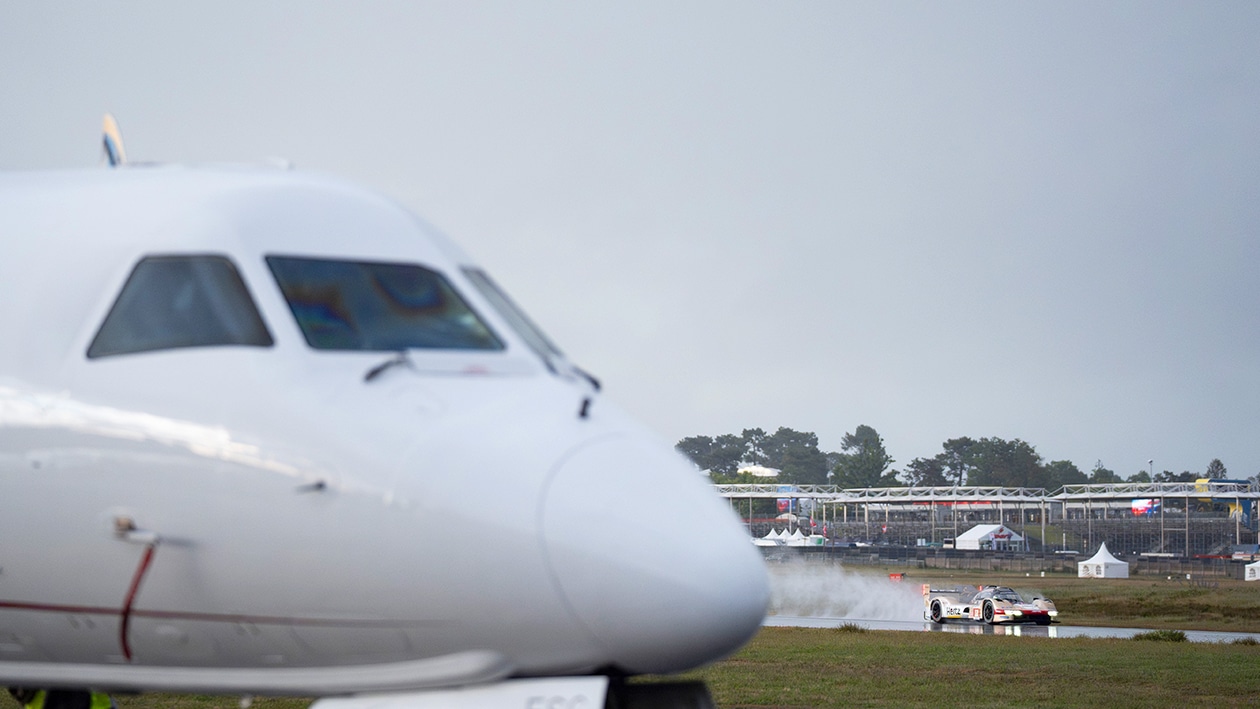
{"x":1204,"y":518}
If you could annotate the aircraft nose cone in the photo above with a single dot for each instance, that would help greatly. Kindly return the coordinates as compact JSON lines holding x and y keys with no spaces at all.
{"x":650,"y":561}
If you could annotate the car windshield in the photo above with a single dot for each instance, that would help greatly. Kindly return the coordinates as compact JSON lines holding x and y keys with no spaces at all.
{"x":355,"y":305}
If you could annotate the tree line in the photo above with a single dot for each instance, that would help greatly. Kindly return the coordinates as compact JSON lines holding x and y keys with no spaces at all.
{"x":863,"y":461}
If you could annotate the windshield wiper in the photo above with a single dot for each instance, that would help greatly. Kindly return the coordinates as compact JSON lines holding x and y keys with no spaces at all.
{"x":587,"y":376}
{"x":399,"y":359}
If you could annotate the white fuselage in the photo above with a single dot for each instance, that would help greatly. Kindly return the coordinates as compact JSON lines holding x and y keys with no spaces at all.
{"x":463,"y":516}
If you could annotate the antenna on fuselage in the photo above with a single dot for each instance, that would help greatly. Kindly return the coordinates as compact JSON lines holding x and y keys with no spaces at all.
{"x":111,"y":137}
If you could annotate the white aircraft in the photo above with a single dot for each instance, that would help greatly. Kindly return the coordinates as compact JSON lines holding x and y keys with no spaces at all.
{"x":264,"y":432}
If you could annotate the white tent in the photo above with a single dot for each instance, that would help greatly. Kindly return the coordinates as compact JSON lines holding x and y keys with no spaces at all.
{"x":1253,"y":571}
{"x":799,"y":539}
{"x":795,"y":539}
{"x":989,"y":536}
{"x":1103,"y":566}
{"x":770,"y":540}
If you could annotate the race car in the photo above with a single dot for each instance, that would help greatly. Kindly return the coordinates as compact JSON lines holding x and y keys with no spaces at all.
{"x":987,"y":604}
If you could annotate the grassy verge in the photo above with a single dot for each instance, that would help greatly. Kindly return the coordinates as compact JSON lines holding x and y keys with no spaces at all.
{"x":801,"y":667}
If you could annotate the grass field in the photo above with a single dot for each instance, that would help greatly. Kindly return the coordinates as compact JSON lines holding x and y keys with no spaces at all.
{"x":785,"y":668}
{"x":799,"y":667}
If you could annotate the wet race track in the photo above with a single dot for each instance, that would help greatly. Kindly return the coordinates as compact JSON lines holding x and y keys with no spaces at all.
{"x":1025,"y":630}
{"x":829,"y":596}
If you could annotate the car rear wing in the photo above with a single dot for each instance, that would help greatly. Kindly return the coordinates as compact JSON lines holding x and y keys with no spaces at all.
{"x":959,"y":593}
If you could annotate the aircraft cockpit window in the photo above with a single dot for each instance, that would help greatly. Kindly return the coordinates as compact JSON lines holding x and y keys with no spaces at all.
{"x":353,"y":305}
{"x":170,"y":302}
{"x":514,"y":316}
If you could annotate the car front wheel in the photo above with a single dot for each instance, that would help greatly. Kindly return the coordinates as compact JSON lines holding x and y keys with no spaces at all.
{"x":988,"y":612}
{"x":938,"y":613}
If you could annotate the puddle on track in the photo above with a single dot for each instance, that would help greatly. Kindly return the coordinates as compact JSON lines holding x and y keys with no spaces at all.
{"x":1023,"y":630}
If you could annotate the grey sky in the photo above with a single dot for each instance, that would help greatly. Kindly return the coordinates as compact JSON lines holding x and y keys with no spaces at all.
{"x":1022,"y":220}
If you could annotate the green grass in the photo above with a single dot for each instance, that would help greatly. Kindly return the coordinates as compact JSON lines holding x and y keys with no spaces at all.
{"x":803,"y":667}
{"x":1168,"y":636}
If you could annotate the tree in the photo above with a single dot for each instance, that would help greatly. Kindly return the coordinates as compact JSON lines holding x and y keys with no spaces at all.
{"x":1101,"y":475}
{"x":754,"y":450}
{"x":698,"y":450}
{"x":864,"y":461}
{"x":1216,"y":470}
{"x":1140,"y":476}
{"x":795,"y":454}
{"x":924,"y":472}
{"x":833,"y":459}
{"x":1169,"y":476}
{"x":995,"y":461}
{"x":1062,"y":472}
{"x":720,"y":456}
{"x":957,"y":459}
{"x":805,"y":465}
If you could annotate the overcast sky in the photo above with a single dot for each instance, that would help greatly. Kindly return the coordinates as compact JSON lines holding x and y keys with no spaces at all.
{"x":1021,"y":220}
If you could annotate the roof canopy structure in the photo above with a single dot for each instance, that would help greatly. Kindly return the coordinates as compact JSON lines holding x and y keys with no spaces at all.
{"x":973,"y":493}
{"x":759,"y":471}
{"x":836,"y":494}
{"x":1169,"y":519}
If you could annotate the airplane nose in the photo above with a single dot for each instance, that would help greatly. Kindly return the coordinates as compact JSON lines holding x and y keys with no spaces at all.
{"x":649,"y":560}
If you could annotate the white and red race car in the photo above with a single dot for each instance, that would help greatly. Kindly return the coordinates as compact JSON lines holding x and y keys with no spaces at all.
{"x":987,"y":604}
